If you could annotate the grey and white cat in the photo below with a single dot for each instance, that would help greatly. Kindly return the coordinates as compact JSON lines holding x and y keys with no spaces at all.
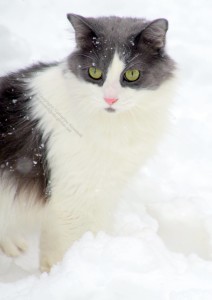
{"x":73,"y":133}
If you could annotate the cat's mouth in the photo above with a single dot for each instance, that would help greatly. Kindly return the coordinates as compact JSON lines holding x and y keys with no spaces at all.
{"x":110,"y":109}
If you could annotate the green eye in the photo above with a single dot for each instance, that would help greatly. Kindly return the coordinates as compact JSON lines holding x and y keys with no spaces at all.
{"x":95,"y":73}
{"x":132,"y":75}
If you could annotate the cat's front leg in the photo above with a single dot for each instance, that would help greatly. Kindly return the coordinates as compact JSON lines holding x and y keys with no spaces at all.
{"x":66,"y":220}
{"x":62,"y":226}
{"x":60,"y":229}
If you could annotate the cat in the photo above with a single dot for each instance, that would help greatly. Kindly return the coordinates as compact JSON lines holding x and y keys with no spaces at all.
{"x":73,"y":133}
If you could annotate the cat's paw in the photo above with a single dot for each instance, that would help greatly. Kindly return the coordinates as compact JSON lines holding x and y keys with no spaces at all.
{"x":13,"y":246}
{"x":47,"y":261}
{"x":45,"y":265}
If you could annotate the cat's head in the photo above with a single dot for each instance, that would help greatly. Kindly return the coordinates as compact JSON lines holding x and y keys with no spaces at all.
{"x":118,"y":59}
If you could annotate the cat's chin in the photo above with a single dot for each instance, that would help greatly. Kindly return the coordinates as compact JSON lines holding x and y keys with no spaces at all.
{"x":110,"y":109}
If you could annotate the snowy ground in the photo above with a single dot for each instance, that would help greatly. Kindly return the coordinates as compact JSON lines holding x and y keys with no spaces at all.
{"x":162,"y":243}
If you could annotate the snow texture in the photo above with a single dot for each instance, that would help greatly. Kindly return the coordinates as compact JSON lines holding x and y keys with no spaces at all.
{"x":161,"y":248}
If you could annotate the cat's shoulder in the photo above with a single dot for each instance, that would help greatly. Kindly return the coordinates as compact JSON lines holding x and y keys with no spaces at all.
{"x":14,"y":83}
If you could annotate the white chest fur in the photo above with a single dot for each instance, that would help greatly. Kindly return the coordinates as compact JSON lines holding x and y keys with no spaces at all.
{"x":91,"y":150}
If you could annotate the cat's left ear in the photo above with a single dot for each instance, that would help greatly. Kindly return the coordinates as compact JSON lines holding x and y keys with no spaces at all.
{"x":84,"y":31}
{"x":154,"y":35}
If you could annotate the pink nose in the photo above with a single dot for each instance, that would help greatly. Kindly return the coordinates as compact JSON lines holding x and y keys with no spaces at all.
{"x":110,"y":101}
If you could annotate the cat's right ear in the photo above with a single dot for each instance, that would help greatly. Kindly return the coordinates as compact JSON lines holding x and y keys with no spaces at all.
{"x":84,"y":31}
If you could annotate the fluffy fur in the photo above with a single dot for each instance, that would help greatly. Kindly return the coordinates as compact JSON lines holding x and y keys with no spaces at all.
{"x":60,"y":144}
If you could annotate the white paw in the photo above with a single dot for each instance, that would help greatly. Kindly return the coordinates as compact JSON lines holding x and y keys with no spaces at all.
{"x":13,"y":246}
{"x":46,"y":262}
{"x":45,"y":266}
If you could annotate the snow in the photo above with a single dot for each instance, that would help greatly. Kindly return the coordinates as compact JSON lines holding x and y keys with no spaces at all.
{"x":162,"y":241}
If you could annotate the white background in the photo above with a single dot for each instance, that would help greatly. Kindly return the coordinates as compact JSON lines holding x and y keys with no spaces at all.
{"x":161,"y":247}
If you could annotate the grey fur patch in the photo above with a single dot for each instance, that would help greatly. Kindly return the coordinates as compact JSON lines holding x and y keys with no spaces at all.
{"x":23,"y":153}
{"x":139,"y":43}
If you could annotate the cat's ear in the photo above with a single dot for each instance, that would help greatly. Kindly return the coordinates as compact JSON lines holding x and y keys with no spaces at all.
{"x":84,"y":31}
{"x":154,"y":35}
